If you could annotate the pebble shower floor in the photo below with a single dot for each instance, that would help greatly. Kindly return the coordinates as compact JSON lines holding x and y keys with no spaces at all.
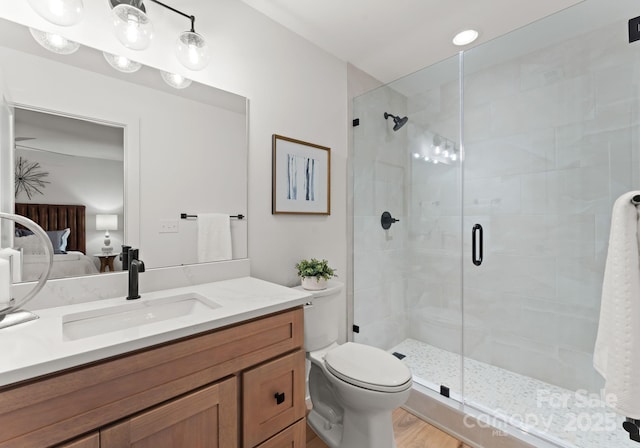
{"x":571,"y":419}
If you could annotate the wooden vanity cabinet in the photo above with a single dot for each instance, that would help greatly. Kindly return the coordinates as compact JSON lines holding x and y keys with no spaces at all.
{"x":202,"y":391}
{"x":204,"y":419}
{"x":90,"y":441}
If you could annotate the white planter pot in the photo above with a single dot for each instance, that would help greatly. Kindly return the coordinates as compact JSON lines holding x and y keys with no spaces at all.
{"x":313,"y":284}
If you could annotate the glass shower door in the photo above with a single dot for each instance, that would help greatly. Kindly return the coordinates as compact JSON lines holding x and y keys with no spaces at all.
{"x":550,"y":141}
{"x":407,"y":278}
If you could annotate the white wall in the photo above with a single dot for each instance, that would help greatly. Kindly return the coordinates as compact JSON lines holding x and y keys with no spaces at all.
{"x":84,"y":180}
{"x":295,"y":89}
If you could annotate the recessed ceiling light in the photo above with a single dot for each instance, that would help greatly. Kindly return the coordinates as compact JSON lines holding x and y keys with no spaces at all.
{"x":465,"y":37}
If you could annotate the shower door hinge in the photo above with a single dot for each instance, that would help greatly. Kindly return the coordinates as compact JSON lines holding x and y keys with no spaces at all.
{"x":356,"y":122}
{"x":356,"y":329}
{"x":634,"y":29}
{"x":444,"y":391}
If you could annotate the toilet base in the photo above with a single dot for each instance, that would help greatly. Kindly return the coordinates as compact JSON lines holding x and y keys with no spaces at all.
{"x":328,"y":432}
{"x":374,"y":431}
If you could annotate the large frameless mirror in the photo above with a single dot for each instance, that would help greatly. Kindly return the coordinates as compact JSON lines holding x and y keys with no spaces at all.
{"x":115,"y":158}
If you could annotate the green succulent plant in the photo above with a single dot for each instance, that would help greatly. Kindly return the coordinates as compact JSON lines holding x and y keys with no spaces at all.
{"x":315,"y":268}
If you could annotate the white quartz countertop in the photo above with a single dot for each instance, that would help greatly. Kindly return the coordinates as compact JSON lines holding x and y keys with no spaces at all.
{"x":39,"y":347}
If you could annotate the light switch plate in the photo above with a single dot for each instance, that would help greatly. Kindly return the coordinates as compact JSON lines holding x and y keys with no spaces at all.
{"x":168,"y":226}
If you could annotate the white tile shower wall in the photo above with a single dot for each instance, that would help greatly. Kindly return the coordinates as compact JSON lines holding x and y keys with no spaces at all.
{"x":551,"y":142}
{"x":379,"y":162}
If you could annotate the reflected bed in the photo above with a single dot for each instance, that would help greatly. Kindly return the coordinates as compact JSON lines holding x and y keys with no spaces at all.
{"x":70,"y":257}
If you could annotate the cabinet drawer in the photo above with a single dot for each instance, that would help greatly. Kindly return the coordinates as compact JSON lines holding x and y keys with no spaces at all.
{"x":273,"y":397}
{"x":292,"y":437}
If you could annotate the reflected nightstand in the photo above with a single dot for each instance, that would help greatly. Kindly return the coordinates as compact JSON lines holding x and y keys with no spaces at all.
{"x":106,"y":261}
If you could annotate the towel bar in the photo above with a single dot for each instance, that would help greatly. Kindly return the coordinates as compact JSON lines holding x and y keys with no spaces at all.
{"x":187,"y":216}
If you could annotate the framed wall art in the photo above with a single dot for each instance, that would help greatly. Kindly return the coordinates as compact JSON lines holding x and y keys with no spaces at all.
{"x":301,"y":180}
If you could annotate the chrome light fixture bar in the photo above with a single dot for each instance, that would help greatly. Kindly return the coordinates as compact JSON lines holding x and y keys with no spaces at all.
{"x":135,"y":31}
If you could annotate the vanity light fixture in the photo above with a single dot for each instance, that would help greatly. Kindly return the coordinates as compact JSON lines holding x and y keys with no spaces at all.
{"x":134,"y":30}
{"x":131,"y":25}
{"x":54,"y":42}
{"x":59,"y":12}
{"x":174,"y":80}
{"x":465,"y":37}
{"x":121,"y":63}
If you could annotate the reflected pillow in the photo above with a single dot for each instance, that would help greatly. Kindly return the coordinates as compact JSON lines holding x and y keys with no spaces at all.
{"x":59,"y":240}
{"x":23,"y":232}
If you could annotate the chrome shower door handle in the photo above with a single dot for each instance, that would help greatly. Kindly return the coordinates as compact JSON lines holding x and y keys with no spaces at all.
{"x":476,"y":245}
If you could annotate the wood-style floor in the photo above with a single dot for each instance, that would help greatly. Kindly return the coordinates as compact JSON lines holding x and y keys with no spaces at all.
{"x":410,"y":432}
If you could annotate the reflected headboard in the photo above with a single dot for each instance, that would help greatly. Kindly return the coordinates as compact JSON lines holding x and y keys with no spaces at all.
{"x":58,"y":217}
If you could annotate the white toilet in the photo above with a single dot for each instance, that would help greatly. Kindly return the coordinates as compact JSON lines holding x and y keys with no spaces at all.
{"x":353,"y":387}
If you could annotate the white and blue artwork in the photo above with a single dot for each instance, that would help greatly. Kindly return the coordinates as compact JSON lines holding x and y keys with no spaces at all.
{"x":301,"y":178}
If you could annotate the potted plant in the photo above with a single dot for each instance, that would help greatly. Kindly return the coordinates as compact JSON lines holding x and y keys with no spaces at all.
{"x":314,"y":274}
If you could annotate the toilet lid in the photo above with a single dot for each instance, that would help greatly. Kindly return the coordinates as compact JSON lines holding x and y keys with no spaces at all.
{"x":368,"y":367}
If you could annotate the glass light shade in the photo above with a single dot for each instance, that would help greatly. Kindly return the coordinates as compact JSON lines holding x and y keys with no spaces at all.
{"x":133,"y":28}
{"x":121,"y":63}
{"x":192,"y":50}
{"x":175,"y":81}
{"x":54,"y":42}
{"x":106,"y":222}
{"x":59,"y":12}
{"x":465,"y":37}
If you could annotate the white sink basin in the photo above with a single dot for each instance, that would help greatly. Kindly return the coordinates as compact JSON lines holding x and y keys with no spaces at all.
{"x":133,"y":314}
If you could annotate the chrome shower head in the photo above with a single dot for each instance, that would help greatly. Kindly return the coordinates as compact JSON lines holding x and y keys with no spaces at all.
{"x":398,"y":122}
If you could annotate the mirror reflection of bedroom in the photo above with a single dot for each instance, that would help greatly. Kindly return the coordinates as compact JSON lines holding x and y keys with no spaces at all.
{"x":69,"y":178}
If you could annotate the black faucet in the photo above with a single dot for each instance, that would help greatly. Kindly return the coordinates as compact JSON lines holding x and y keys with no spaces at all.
{"x":135,"y":267}
{"x":124,"y":257}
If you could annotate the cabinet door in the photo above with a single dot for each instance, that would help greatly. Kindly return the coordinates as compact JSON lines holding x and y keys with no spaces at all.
{"x":292,"y":437}
{"x":207,"y":418}
{"x":273,"y":397}
{"x":90,"y":441}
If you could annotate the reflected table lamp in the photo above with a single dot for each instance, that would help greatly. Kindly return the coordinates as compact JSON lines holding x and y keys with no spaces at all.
{"x":106,"y":223}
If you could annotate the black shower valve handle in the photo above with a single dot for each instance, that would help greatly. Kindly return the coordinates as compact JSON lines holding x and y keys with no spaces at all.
{"x":386,"y":220}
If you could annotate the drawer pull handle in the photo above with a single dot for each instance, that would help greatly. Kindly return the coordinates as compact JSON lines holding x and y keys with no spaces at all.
{"x":279,"y":397}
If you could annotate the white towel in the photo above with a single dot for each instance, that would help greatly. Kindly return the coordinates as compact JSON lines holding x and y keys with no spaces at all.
{"x":617,"y":351}
{"x":214,"y":237}
{"x":14,"y":256}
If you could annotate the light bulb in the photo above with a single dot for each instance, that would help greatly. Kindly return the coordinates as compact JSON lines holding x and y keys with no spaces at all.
{"x":133,"y":28}
{"x":54,"y":42}
{"x":416,"y":155}
{"x":176,"y":81}
{"x":121,"y":63}
{"x":437,"y":150}
{"x":59,"y":12}
{"x":192,"y":50}
{"x":465,"y":37}
{"x":454,"y":157}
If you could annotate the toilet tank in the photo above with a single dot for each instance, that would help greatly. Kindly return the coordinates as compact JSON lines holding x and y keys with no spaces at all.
{"x":322,"y":317}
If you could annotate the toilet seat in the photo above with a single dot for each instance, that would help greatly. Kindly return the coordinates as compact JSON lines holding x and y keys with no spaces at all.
{"x":368,"y":367}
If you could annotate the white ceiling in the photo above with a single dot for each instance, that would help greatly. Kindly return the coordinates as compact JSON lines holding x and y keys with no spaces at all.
{"x":392,"y":38}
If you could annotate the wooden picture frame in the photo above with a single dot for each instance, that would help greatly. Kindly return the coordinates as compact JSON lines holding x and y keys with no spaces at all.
{"x":301,"y":177}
